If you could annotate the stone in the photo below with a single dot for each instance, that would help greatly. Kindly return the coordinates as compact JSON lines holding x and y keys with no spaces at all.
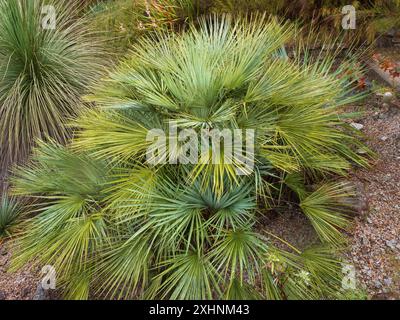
{"x":391,"y":244}
{"x":388,"y":282}
{"x":365,"y":241}
{"x":2,"y":295}
{"x":368,"y":272}
{"x":41,"y":294}
{"x":387,"y":97}
{"x":357,"y":126}
{"x":384,"y":138}
{"x":377,"y":284}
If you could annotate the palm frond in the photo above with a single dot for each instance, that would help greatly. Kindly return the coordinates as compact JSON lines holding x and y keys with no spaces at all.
{"x":10,"y":215}
{"x":327,"y":211}
{"x":188,"y":276}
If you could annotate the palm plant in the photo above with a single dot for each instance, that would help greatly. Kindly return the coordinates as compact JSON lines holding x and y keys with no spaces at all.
{"x":43,"y":73}
{"x":112,"y":223}
{"x":10,"y":215}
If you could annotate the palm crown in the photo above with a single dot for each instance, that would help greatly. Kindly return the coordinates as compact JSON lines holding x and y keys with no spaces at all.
{"x":112,"y":222}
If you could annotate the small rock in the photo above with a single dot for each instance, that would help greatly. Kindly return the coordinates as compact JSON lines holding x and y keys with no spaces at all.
{"x":388,"y":177}
{"x":41,"y":294}
{"x":384,"y":138}
{"x":391,"y":244}
{"x":376,"y":116}
{"x":377,"y":284}
{"x":365,"y":241}
{"x":369,"y":220}
{"x":388,"y":282}
{"x":357,"y":126}
{"x":387,"y":97}
{"x":2,"y":295}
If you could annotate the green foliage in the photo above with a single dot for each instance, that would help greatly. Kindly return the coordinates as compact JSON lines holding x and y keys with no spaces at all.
{"x":71,"y":224}
{"x":112,"y":223}
{"x":10,"y":215}
{"x":357,"y":294}
{"x":124,"y":21}
{"x":385,"y":16}
{"x":43,"y":73}
{"x":374,"y":17}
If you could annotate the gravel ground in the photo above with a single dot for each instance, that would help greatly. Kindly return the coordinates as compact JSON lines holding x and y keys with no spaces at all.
{"x":20,"y":285}
{"x":375,"y":237}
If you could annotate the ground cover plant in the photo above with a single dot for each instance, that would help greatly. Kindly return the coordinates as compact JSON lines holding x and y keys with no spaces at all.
{"x":114,"y":225}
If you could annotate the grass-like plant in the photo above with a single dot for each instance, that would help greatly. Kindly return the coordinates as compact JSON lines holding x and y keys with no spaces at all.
{"x":43,"y":72}
{"x":110,"y":222}
{"x":10,"y":216}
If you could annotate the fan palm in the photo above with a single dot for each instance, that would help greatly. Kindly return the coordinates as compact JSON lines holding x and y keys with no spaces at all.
{"x":43,"y":72}
{"x":10,"y":215}
{"x":111,"y":222}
